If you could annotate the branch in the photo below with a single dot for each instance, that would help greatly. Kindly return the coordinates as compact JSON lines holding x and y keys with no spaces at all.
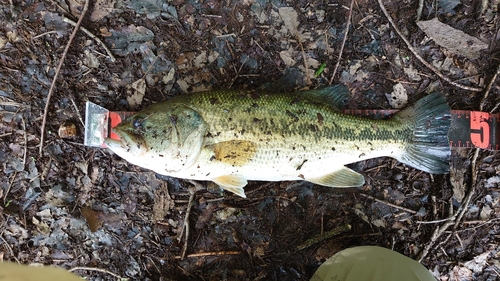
{"x":58,"y":69}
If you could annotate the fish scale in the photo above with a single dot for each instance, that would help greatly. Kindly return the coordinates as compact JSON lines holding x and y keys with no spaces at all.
{"x":230,"y":137}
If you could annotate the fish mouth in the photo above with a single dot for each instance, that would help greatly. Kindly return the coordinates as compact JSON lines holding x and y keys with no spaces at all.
{"x":126,"y":144}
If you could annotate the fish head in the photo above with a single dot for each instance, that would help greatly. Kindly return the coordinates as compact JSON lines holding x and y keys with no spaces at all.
{"x":164,"y":138}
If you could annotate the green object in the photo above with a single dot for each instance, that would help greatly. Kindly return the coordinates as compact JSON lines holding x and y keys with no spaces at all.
{"x":320,"y":70}
{"x":10,"y":271}
{"x":230,"y":136}
{"x":371,"y":263}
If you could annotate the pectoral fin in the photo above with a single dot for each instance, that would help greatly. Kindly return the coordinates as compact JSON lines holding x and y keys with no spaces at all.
{"x":344,"y":177}
{"x":232,"y":183}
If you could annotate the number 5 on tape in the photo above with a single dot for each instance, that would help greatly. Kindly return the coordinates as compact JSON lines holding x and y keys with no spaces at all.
{"x":480,"y":129}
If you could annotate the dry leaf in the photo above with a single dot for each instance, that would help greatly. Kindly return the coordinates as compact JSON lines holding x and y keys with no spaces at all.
{"x":101,"y":9}
{"x":286,"y":56}
{"x":456,"y":41}
{"x":290,"y":17}
{"x":135,"y":92}
{"x":94,"y":219}
{"x":398,"y":98}
{"x":163,"y":203}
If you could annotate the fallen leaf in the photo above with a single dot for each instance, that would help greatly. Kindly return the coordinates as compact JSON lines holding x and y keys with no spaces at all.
{"x":136,"y":92}
{"x":456,"y":41}
{"x":150,"y":8}
{"x":290,"y":18}
{"x":101,"y":9}
{"x":163,"y":203}
{"x":125,"y":40}
{"x":169,"y":77}
{"x":449,"y":5}
{"x":398,"y":98}
{"x":412,"y":73}
{"x":478,"y":263}
{"x":90,"y":59}
{"x":93,"y":218}
{"x":485,"y":213}
{"x":286,"y":56}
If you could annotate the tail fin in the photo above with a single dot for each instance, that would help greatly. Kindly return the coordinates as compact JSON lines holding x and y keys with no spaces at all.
{"x":428,"y":149}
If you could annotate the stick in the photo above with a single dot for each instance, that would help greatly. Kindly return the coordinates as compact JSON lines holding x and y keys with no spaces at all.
{"x":348,"y":25}
{"x":388,"y":204}
{"x":323,"y":236}
{"x":58,"y":69}
{"x":220,"y":253}
{"x":415,"y":53}
{"x":110,"y":55}
{"x":96,"y":269}
{"x":192,"y":190}
{"x":77,"y":111}
{"x":25,"y":142}
{"x":470,"y":193}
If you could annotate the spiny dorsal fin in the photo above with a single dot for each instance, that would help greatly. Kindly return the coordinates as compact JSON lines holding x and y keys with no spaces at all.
{"x":232,"y":183}
{"x":343,"y":177}
{"x":335,"y":95}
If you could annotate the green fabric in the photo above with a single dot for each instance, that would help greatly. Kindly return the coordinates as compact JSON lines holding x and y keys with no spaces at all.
{"x":10,"y":271}
{"x":370,"y":263}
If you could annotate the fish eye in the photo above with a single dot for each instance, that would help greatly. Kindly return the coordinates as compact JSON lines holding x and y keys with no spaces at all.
{"x":137,"y":122}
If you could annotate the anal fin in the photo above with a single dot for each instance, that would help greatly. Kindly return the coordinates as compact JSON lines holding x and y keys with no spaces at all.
{"x":344,"y":177}
{"x":232,"y":183}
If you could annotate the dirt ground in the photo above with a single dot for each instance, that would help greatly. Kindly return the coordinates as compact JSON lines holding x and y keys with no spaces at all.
{"x":89,"y":211}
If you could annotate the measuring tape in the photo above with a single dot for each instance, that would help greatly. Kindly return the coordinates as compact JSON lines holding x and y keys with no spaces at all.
{"x":470,"y":129}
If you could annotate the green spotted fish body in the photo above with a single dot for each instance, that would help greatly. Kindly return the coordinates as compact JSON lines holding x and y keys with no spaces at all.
{"x":229,"y":137}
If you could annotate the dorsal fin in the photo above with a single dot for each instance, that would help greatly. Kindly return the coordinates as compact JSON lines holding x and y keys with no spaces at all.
{"x":335,"y":95}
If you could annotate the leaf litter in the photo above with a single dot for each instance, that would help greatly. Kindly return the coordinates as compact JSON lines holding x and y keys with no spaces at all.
{"x":172,"y":47}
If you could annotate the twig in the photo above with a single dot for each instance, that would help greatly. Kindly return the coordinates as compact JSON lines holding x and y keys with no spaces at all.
{"x":110,"y":55}
{"x":488,"y":89}
{"x":306,"y":65}
{"x":470,"y":193}
{"x":437,"y":221}
{"x":323,"y":236}
{"x":220,"y":253}
{"x":58,"y":69}
{"x":10,"y":103}
{"x":77,"y":111}
{"x":43,"y":34}
{"x":9,"y":188}
{"x":192,"y":190}
{"x":456,"y":218}
{"x":415,"y":53}
{"x":348,"y":25}
{"x":238,"y":72}
{"x":25,"y":142}
{"x":436,"y":234}
{"x":8,"y":247}
{"x":388,"y":204}
{"x":96,"y":269}
{"x":420,"y":9}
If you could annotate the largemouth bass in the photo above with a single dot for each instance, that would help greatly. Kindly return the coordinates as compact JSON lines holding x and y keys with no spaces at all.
{"x":229,"y":137}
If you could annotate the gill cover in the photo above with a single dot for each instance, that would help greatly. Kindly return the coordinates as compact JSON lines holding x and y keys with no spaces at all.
{"x":178,"y":143}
